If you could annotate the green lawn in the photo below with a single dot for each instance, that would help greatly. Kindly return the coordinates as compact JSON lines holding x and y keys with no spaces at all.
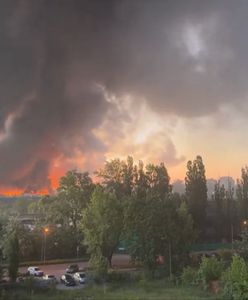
{"x":156,"y":290}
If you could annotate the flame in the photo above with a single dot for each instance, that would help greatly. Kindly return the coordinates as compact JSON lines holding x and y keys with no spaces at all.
{"x":14,"y":192}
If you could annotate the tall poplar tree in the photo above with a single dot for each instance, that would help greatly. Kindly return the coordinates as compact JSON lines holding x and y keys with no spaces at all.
{"x":242,"y":193}
{"x":196,"y":192}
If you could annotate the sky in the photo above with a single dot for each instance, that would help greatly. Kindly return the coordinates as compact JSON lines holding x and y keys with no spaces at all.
{"x":85,"y":81}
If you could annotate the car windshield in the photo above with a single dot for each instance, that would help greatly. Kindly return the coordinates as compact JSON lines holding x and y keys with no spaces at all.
{"x":36,"y":269}
{"x":68,"y":277}
{"x":82,"y":275}
{"x":73,"y":267}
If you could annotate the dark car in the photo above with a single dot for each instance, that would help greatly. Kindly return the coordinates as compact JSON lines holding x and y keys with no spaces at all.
{"x":67,"y":280}
{"x":72,"y":269}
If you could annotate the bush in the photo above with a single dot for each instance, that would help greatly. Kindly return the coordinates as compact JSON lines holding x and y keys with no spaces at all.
{"x":195,"y":260}
{"x":235,"y":280}
{"x":115,"y":276}
{"x":226,"y":256}
{"x":99,"y":264}
{"x":189,"y":276}
{"x":210,"y":269}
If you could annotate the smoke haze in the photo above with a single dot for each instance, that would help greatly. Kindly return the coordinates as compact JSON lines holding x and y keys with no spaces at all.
{"x":59,"y":58}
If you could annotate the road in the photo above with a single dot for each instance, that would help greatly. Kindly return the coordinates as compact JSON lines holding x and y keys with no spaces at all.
{"x":119,"y":260}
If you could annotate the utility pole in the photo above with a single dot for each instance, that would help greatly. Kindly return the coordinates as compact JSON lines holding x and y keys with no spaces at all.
{"x":170,"y":259}
{"x":232,"y":235}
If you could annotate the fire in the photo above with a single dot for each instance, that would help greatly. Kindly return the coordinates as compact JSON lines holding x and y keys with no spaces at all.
{"x":11,"y":191}
{"x":14,"y":192}
{"x":55,"y":175}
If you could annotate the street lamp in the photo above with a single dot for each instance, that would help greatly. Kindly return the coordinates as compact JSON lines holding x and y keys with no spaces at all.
{"x":45,"y":232}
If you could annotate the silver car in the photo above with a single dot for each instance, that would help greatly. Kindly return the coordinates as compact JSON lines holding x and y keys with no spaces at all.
{"x":35,"y":271}
{"x":50,"y":278}
{"x":80,"y":277}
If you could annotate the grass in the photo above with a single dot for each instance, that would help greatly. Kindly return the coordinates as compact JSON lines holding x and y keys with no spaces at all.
{"x":143,"y":290}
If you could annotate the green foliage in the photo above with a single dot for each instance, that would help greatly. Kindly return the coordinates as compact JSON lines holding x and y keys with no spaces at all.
{"x":242,"y":246}
{"x":225,"y":210}
{"x":74,"y":192}
{"x":102,"y":225}
{"x":242,"y":193}
{"x":118,"y":176}
{"x":189,"y":276}
{"x":66,"y":209}
{"x":99,"y":264}
{"x":235,"y":280}
{"x":11,"y":247}
{"x":210,"y":269}
{"x":226,"y":256}
{"x":12,"y":253}
{"x":144,"y":290}
{"x":196,"y":192}
{"x":125,"y":179}
{"x":157,"y":227}
{"x":121,"y":277}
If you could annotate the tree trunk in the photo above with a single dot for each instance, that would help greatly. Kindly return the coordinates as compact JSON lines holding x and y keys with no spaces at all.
{"x":109,"y":258}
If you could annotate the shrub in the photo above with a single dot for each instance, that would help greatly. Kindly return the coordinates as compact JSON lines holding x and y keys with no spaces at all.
{"x":226,"y":256}
{"x":99,"y":264}
{"x":189,"y":276}
{"x":118,"y":277}
{"x":195,"y":260}
{"x":235,"y":280}
{"x":210,"y":269}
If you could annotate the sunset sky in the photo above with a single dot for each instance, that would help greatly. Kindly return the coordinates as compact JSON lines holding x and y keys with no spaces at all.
{"x":85,"y":81}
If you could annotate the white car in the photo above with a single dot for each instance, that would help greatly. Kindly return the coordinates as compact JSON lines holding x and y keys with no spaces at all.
{"x":50,"y":278}
{"x":35,"y":271}
{"x":80,"y":277}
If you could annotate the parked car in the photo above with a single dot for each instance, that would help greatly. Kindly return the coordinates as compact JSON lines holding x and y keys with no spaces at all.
{"x":67,"y":280}
{"x":50,"y":278}
{"x":35,"y":271}
{"x":80,"y":277}
{"x":72,"y":269}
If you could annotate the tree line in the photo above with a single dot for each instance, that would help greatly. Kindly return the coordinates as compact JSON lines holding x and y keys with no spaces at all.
{"x":130,"y":203}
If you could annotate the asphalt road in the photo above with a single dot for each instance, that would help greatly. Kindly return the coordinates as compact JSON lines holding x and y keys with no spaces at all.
{"x":58,"y":270}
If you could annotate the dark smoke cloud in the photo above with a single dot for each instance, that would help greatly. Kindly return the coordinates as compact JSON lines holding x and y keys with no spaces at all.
{"x":55,"y":53}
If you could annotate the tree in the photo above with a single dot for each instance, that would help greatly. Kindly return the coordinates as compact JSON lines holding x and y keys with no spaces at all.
{"x":74,"y":194}
{"x":12,"y":252}
{"x":219,"y":197}
{"x":157,"y":227}
{"x":1,"y":247}
{"x":225,"y":218}
{"x":242,"y":193}
{"x":196,"y":192}
{"x":118,"y":176}
{"x":66,"y":210}
{"x":242,"y":245}
{"x":158,"y":179}
{"x":102,"y":224}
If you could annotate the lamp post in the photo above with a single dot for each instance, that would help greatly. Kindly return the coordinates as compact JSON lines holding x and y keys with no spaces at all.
{"x":232,"y":235}
{"x":244,"y":225}
{"x":45,"y":232}
{"x":77,"y":251}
